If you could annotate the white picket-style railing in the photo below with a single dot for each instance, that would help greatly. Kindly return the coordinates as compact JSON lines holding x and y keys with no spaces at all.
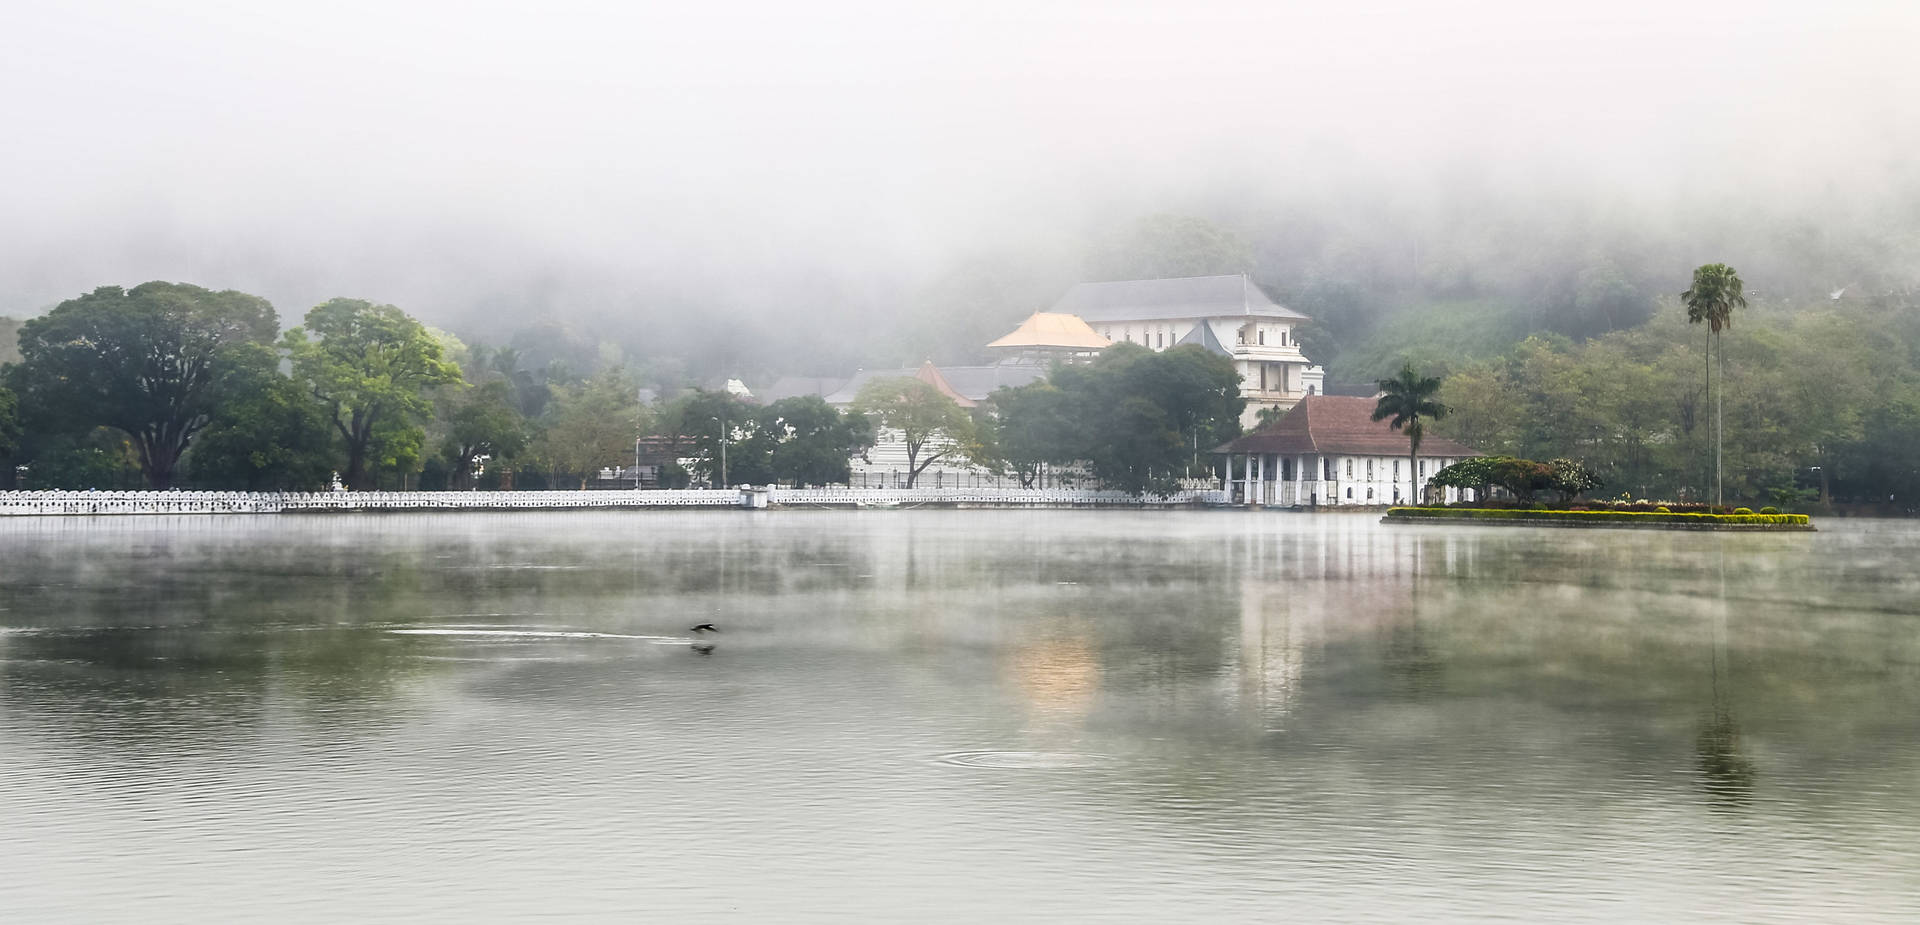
{"x":42,"y":503}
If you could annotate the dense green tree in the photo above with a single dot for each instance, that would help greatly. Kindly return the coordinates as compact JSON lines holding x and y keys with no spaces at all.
{"x":1034,"y":426}
{"x":932,"y":426}
{"x":481,"y":420}
{"x":813,"y":442}
{"x":1715,"y":293}
{"x":723,"y":434}
{"x":9,"y":434}
{"x":142,"y":361}
{"x":374,"y":367}
{"x":265,"y":433}
{"x":1407,"y":401}
{"x":590,"y":425}
{"x":1144,"y":417}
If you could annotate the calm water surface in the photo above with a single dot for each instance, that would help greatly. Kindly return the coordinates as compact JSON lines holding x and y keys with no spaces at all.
{"x":948,"y":715}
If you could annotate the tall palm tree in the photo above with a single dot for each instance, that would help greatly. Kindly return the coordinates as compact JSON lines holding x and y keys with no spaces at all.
{"x":1408,"y":398}
{"x":1715,"y":294}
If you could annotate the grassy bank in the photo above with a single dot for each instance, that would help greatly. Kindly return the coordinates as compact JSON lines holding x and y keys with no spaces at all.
{"x":1630,"y":519}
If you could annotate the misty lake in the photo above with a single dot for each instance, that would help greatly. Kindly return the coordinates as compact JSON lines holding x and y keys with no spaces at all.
{"x":954,"y":716}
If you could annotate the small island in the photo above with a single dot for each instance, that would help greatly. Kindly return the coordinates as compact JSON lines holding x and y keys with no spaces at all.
{"x":1740,"y":519}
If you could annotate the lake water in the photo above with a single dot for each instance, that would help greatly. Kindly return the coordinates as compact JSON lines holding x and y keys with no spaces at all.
{"x":954,"y":716}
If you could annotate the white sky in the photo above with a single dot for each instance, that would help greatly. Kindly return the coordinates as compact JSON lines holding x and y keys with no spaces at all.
{"x":438,"y":155}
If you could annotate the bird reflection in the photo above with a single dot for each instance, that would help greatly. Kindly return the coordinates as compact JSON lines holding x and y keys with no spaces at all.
{"x":702,"y":648}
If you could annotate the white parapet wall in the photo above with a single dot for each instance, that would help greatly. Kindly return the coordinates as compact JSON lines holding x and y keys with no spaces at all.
{"x":81,"y":503}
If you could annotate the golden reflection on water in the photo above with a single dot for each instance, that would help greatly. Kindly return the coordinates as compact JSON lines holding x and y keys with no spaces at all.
{"x":1058,"y":672}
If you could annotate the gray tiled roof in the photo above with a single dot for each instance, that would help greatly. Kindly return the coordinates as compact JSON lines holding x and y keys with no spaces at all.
{"x":793,"y":386}
{"x":1202,"y":335}
{"x":1156,"y":299}
{"x":974,"y":382}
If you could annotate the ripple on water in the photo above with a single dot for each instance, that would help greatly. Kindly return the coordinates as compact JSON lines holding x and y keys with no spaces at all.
{"x":1027,"y":761}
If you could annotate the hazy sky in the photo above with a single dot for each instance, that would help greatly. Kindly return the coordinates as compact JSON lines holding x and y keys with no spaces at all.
{"x":485,"y":157}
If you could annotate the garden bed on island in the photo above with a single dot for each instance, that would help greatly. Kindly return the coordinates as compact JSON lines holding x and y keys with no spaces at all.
{"x":1648,"y":520}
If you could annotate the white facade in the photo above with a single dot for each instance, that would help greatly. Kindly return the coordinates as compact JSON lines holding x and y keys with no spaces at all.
{"x":1332,"y":480}
{"x":1266,"y":353}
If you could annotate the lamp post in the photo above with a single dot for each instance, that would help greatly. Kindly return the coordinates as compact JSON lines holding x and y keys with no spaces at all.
{"x":721,"y":419}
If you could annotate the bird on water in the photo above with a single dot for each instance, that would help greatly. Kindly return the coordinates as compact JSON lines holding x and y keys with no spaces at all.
{"x":704,"y":628}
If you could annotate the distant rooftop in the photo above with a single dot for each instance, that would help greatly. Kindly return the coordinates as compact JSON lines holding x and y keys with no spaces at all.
{"x":1051,"y":330}
{"x":966,"y":384}
{"x":1157,"y":299}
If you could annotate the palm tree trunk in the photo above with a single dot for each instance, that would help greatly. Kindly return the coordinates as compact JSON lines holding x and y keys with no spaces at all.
{"x":1719,"y":431}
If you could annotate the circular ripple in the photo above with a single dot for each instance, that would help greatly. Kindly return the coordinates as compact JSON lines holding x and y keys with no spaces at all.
{"x":1026,"y":761}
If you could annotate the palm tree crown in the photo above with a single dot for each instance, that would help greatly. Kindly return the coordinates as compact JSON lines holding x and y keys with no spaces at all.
{"x":1715,"y":294}
{"x":1409,"y":399}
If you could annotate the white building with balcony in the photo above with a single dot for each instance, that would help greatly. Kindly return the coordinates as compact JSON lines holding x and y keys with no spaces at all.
{"x":1228,"y":315}
{"x":1328,"y":450}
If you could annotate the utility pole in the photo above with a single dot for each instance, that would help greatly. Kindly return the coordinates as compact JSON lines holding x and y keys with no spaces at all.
{"x":723,"y":446}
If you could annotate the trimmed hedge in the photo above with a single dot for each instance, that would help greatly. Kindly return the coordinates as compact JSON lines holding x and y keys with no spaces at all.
{"x":1437,"y":513}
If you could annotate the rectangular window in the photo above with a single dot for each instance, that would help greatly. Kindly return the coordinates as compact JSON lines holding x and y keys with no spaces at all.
{"x":1349,"y":468}
{"x":1396,"y":470}
{"x":1160,"y":339}
{"x":1369,"y":469}
{"x":1263,"y":337}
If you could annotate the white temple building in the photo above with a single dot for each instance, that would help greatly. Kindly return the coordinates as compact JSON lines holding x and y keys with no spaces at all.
{"x":1329,"y":450}
{"x":1228,"y":315}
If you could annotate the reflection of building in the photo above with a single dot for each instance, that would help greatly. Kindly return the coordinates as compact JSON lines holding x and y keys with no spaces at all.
{"x":1329,"y":450}
{"x":1227,"y":315}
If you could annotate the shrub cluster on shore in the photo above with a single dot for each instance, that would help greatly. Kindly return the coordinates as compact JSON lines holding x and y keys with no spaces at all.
{"x":1596,"y":516}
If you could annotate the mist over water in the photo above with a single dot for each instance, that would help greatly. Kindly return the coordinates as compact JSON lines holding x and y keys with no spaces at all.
{"x":946,"y":715}
{"x":668,"y":177}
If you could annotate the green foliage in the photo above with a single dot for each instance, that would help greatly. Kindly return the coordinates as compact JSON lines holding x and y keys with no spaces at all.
{"x":589,"y":425}
{"x":482,"y":420}
{"x":265,"y":433}
{"x":9,"y":432}
{"x":1168,"y":247}
{"x":375,"y":368}
{"x":97,"y":458}
{"x":932,"y":426}
{"x":710,"y":420}
{"x":1661,"y":516}
{"x":813,"y":441}
{"x":1441,"y":335}
{"x":1743,"y":510}
{"x":1572,"y":478}
{"x":1035,"y":425}
{"x":1139,"y":419}
{"x":142,"y":361}
{"x":1715,"y":293}
{"x":1769,"y":509}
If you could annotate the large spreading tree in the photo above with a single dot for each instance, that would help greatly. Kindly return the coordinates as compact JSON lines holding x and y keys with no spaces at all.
{"x":374,"y":367}
{"x":142,"y":361}
{"x":933,"y":426}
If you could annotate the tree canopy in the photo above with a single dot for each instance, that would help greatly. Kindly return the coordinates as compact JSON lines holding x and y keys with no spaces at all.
{"x":140,"y":360}
{"x":374,"y":367}
{"x":932,"y":426}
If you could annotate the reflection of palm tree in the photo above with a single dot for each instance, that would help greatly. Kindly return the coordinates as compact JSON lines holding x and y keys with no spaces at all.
{"x":1725,"y":773}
